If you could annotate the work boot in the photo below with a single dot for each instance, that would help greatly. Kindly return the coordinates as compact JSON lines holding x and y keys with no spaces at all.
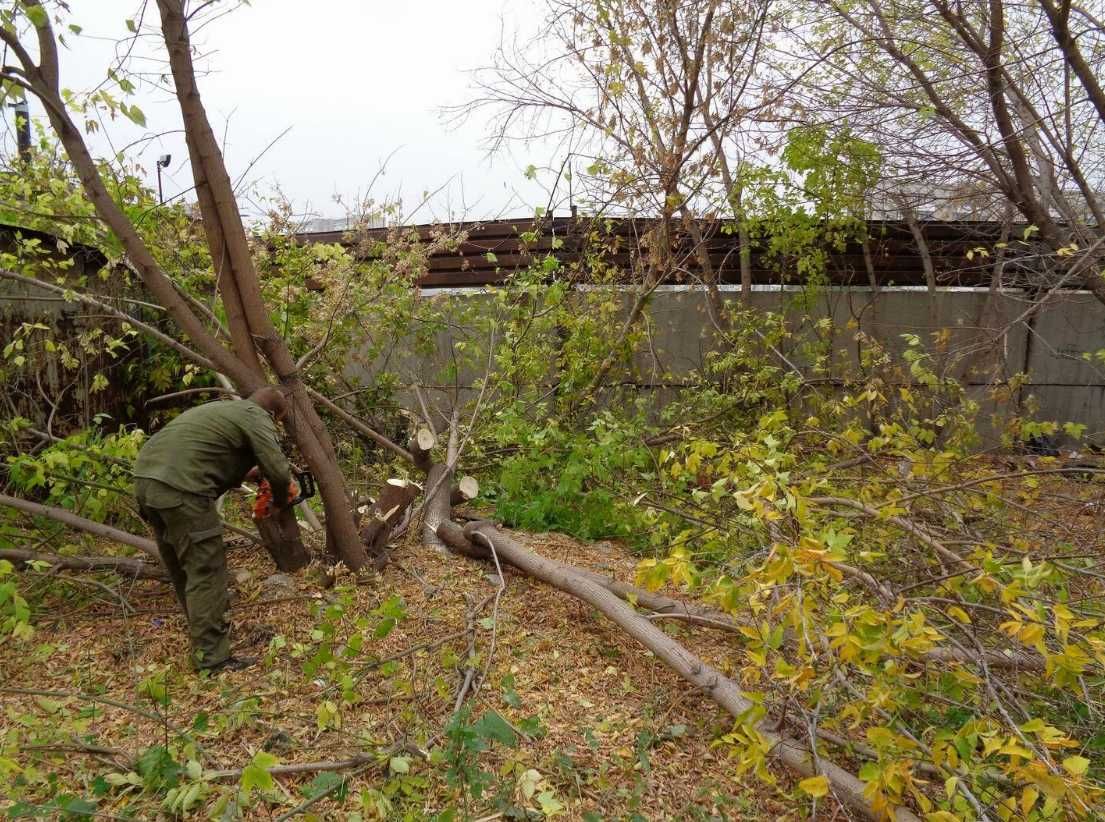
{"x":232,"y":663}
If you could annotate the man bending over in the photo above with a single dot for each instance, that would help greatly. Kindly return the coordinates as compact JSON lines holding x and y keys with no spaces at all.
{"x":180,"y":472}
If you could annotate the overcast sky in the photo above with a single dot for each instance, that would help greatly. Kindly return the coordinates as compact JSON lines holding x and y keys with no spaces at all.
{"x":354,"y":81}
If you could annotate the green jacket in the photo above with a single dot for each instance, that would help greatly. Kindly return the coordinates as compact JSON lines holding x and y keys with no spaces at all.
{"x":208,"y":450}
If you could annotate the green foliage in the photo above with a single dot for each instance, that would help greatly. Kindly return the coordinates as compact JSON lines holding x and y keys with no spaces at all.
{"x":65,"y":806}
{"x":15,"y":613}
{"x":752,"y":520}
{"x":82,"y":359}
{"x":256,"y":776}
{"x":465,"y":741}
{"x":560,"y":480}
{"x":160,"y":772}
{"x":88,"y":473}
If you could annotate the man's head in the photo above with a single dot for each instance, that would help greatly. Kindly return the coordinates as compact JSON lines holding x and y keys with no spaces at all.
{"x":273,"y":400}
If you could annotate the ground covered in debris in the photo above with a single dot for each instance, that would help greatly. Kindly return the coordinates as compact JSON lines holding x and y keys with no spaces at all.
{"x":565,"y":716}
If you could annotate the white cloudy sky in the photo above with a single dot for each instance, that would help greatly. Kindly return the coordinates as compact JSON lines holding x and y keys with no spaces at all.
{"x":355,"y":81}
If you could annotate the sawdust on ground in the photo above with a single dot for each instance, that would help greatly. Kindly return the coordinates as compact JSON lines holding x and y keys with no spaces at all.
{"x":623,"y":737}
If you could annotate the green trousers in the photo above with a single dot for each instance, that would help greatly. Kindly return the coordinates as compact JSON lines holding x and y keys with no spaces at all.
{"x":189,"y":536}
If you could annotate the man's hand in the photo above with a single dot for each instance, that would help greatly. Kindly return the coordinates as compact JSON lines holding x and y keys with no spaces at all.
{"x":252,"y":475}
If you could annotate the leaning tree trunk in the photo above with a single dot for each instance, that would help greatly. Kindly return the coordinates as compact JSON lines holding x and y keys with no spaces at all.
{"x":239,"y":282}
{"x":795,"y":756}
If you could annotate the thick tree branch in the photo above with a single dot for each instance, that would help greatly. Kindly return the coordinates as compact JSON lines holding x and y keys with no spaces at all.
{"x":124,"y":566}
{"x":82,"y":524}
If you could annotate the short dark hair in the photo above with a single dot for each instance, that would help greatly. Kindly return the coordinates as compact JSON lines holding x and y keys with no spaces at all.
{"x":272,"y":399}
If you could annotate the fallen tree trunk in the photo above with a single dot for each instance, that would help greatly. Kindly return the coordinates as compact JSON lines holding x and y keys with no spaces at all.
{"x":692,"y":612}
{"x":82,"y":524}
{"x":286,"y":555}
{"x":657,"y":603}
{"x":124,"y":566}
{"x":846,"y":787}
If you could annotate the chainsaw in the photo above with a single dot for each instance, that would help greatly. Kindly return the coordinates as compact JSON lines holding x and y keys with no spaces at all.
{"x":301,"y":488}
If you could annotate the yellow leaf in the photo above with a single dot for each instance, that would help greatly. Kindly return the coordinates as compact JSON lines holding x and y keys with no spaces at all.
{"x":1028,"y":798}
{"x":1076,"y":765}
{"x":958,"y":614}
{"x":815,"y":786}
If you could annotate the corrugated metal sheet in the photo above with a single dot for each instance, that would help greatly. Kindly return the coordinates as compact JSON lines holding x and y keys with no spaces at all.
{"x":491,"y":251}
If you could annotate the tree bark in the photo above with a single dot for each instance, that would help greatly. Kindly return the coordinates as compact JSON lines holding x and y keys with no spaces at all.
{"x":1059,"y":18}
{"x":220,"y":210}
{"x":82,"y":524}
{"x":124,"y":566}
{"x":282,"y":538}
{"x":847,"y":788}
{"x":382,"y":517}
{"x":439,"y":483}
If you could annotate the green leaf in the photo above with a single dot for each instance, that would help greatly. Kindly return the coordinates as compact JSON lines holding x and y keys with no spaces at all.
{"x":385,"y":627}
{"x":76,"y":806}
{"x":493,"y":727}
{"x":158,"y":769}
{"x":154,"y":688}
{"x":37,"y":15}
{"x":550,"y":805}
{"x":327,"y":715}
{"x":256,"y":775}
{"x":324,"y":783}
{"x":400,"y":764}
{"x":134,"y":114}
{"x":510,"y":696}
{"x":531,"y":726}
{"x":131,"y":27}
{"x":50,"y":706}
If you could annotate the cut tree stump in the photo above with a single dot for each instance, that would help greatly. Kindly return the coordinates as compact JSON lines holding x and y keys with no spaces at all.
{"x":467,"y":488}
{"x":383,"y":516}
{"x":282,"y":538}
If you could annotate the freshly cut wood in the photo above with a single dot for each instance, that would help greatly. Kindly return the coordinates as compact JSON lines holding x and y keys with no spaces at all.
{"x":381,"y":518}
{"x":124,"y":566}
{"x":421,"y":456}
{"x":425,"y":439}
{"x":467,"y":488}
{"x":845,"y":786}
{"x":82,"y":524}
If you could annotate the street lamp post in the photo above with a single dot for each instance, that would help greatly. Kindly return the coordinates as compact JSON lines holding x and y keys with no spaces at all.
{"x":162,"y":162}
